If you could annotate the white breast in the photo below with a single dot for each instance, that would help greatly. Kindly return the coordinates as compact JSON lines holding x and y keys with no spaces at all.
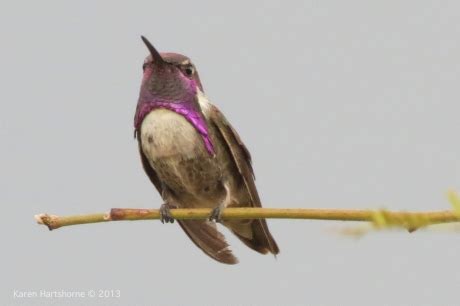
{"x":165,"y":133}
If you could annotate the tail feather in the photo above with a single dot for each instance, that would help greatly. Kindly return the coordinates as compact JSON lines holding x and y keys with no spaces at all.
{"x":261,"y":241}
{"x":206,"y":236}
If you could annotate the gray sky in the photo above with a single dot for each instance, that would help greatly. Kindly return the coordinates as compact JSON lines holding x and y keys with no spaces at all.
{"x":344,"y":104}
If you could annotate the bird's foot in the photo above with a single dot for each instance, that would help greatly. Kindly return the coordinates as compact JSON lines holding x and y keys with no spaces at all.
{"x":216,"y":214}
{"x":165,"y":213}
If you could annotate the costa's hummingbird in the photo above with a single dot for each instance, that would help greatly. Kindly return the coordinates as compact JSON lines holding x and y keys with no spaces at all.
{"x":194,"y":157}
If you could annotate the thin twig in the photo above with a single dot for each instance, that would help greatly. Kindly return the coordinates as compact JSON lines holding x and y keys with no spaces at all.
{"x":380,"y":218}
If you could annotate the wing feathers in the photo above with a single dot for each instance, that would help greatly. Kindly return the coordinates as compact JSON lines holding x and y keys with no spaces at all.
{"x":262,"y":240}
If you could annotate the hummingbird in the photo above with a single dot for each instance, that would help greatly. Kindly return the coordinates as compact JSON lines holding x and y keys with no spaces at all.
{"x":194,"y":157}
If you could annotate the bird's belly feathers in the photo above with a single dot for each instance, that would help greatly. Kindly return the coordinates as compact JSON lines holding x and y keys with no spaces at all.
{"x":177,"y":153}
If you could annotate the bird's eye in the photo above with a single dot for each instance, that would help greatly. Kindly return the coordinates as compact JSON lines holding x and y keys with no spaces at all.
{"x":144,"y":66}
{"x":189,"y":70}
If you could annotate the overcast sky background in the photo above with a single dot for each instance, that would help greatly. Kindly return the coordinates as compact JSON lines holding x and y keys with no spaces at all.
{"x":343,"y":104}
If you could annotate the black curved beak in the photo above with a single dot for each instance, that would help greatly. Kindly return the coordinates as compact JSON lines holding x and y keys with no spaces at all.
{"x":157,"y":59}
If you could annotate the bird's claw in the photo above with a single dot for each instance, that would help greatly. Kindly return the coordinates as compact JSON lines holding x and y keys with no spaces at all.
{"x":216,"y":214}
{"x":165,"y":213}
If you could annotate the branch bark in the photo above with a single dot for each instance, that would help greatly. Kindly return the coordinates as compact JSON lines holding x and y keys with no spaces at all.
{"x":380,"y":218}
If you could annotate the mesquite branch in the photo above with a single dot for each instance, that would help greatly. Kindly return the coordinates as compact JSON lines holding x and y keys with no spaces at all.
{"x":379,"y":218}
